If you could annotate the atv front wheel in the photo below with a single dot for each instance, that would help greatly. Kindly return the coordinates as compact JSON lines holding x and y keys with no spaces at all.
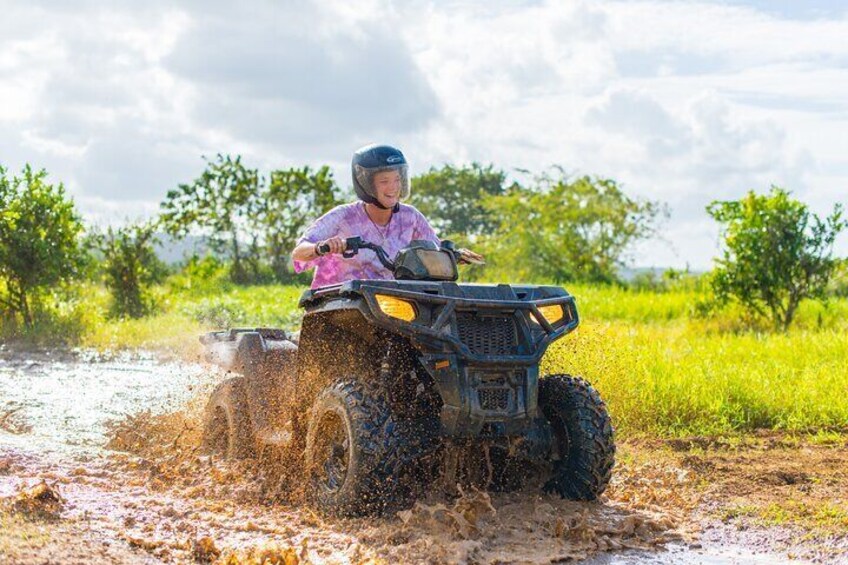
{"x":583,"y":453}
{"x":353,"y":448}
{"x":226,"y":426}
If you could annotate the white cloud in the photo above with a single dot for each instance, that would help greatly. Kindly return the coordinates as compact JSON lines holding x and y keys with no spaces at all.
{"x":681,"y":101}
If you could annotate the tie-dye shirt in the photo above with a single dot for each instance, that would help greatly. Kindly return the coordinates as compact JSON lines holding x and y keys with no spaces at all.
{"x":350,"y":220}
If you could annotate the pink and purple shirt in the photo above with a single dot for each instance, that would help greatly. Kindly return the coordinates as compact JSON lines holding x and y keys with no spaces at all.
{"x":350,"y":220}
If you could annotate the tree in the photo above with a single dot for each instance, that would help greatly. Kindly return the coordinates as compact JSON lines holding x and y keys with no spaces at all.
{"x":564,"y":230}
{"x":451,"y":197}
{"x":39,"y":239}
{"x":223,"y":201}
{"x":130,"y":267}
{"x":294,"y":198}
{"x":776,"y":253}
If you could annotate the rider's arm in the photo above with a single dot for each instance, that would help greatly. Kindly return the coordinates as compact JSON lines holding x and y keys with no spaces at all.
{"x":307,"y":251}
{"x":321,"y":231}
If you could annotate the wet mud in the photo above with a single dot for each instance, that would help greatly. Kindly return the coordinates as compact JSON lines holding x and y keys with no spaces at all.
{"x":116,"y":444}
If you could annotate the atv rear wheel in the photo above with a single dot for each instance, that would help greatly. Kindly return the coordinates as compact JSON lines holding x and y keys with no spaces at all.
{"x":353,"y":451}
{"x":226,"y":426}
{"x":584,"y":452}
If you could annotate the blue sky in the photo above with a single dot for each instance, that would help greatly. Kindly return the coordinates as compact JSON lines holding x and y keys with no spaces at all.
{"x":682,"y":102}
{"x":795,"y":9}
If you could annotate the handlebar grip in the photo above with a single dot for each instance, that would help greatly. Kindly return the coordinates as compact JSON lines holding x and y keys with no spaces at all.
{"x":352,"y":245}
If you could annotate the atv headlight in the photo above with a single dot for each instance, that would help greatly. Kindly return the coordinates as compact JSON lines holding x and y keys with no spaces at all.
{"x":395,"y":307}
{"x":552,"y":313}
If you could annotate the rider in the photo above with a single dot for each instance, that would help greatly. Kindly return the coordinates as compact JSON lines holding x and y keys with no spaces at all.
{"x":381,"y":181}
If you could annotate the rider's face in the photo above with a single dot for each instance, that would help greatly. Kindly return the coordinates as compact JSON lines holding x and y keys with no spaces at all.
{"x":387,"y":185}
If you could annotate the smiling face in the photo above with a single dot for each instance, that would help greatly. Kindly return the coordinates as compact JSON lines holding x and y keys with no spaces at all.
{"x":387,"y":185}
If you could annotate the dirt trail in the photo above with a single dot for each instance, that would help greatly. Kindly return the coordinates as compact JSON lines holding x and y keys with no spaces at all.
{"x":159,"y":500}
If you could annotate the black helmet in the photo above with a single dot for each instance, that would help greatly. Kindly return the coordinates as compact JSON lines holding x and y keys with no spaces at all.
{"x":373,"y":159}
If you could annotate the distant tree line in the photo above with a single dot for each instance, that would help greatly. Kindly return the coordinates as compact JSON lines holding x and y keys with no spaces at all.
{"x":553,"y":227}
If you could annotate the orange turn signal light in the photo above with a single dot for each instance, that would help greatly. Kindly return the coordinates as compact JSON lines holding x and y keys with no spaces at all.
{"x":395,"y":307}
{"x":552,"y":313}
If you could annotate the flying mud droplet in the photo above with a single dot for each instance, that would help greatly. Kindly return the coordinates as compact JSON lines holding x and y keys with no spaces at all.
{"x":204,"y":550}
{"x":12,"y":419}
{"x":39,"y":502}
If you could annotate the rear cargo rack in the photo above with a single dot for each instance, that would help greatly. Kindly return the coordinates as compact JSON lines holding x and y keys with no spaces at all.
{"x":232,"y":334}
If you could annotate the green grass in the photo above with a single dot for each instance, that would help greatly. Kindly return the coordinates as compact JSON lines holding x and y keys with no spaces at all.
{"x":663,"y":369}
{"x":620,"y":304}
{"x":675,"y":379}
{"x":824,"y":516}
{"x":184,"y":315}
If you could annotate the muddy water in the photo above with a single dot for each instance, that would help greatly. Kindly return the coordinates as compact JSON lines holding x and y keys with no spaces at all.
{"x":64,"y":401}
{"x":162,"y":498}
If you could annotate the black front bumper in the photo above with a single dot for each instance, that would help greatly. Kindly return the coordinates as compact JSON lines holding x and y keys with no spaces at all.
{"x":484,"y":400}
{"x":482,"y":344}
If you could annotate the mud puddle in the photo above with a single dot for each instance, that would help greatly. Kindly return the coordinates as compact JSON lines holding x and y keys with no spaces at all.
{"x":61,"y":402}
{"x":153,"y":497}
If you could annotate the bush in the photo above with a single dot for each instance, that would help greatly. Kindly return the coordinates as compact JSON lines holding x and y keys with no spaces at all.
{"x":130,"y":267}
{"x":40,"y":233}
{"x":62,"y":317}
{"x":776,"y":254}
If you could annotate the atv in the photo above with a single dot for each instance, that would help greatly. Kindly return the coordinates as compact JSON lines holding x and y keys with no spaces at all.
{"x":393,"y":386}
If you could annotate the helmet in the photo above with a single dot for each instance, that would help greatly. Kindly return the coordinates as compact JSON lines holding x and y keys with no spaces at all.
{"x":372,"y":159}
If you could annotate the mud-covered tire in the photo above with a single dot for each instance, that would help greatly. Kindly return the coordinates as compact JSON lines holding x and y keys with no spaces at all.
{"x":583,"y":435}
{"x":227,"y":431}
{"x":372,"y":460}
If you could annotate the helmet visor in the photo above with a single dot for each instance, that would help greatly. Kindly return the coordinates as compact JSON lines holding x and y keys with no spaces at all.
{"x":390,"y":178}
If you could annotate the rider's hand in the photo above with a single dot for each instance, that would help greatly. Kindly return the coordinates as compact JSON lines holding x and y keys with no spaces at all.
{"x":336,"y":244}
{"x":468,"y":256}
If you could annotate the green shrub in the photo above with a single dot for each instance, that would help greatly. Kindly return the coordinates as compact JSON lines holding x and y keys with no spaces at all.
{"x":776,"y":254}
{"x":40,"y":237}
{"x":130,"y":268}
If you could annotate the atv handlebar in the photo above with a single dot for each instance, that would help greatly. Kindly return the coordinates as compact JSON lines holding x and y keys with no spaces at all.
{"x":354,"y":244}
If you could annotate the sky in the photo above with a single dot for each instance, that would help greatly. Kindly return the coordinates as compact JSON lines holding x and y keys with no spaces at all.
{"x":683,"y":102}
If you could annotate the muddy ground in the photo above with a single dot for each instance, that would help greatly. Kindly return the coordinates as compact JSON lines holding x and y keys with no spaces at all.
{"x":99,"y":462}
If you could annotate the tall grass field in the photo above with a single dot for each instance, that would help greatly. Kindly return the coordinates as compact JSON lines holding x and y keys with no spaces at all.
{"x":663,"y":368}
{"x":663,"y":372}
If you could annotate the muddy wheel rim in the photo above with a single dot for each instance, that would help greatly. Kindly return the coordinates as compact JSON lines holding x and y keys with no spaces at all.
{"x":331,"y":453}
